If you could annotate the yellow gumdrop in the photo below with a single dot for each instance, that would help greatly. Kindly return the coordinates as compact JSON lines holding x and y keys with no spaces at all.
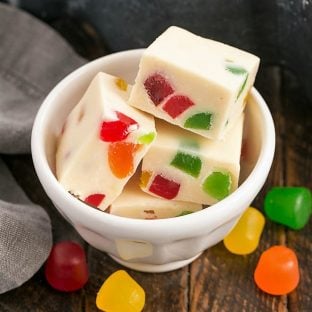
{"x":244,"y":237}
{"x":120,"y":292}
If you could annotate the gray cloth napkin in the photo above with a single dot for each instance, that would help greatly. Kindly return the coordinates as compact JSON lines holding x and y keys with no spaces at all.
{"x":33,"y":58}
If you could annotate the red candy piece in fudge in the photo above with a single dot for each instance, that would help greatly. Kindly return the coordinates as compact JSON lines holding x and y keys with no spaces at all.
{"x":117,"y":130}
{"x":164,"y":187}
{"x":66,"y":268}
{"x":177,"y":104}
{"x":94,"y":199}
{"x":158,"y":88}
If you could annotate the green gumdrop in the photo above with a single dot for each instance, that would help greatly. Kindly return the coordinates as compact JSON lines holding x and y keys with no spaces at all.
{"x":218,"y":184}
{"x":199,"y":121}
{"x":188,"y":163}
{"x":146,"y":138}
{"x":290,"y":206}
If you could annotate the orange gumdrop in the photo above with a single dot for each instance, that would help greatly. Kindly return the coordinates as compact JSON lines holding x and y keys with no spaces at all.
{"x":277,"y":271}
{"x":120,"y":158}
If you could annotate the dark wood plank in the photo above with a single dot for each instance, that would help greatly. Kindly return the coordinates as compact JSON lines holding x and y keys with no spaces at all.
{"x":165,"y":291}
{"x":298,"y":149}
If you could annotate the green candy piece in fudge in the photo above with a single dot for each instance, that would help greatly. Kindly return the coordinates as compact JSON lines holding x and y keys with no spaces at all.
{"x":189,"y":144}
{"x":184,"y":213}
{"x":218,"y":184}
{"x":236,"y":69}
{"x":188,"y":163}
{"x":242,"y":87}
{"x":146,"y":138}
{"x":200,"y":121}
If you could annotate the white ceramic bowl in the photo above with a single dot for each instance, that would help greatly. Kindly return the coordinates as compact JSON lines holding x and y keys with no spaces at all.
{"x":147,"y":245}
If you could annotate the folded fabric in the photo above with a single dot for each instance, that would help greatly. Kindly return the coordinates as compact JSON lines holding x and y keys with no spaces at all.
{"x":33,"y":59}
{"x":25,"y":234}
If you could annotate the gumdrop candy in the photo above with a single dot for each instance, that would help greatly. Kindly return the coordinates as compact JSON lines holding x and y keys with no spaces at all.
{"x":188,"y":163}
{"x":158,"y":88}
{"x":121,"y":84}
{"x":199,"y":121}
{"x":66,"y":268}
{"x":290,"y":206}
{"x":120,"y":158}
{"x":94,"y":199}
{"x":117,"y":130}
{"x":176,"y":105}
{"x":244,"y":237}
{"x":277,"y":271}
{"x":120,"y":292}
{"x":218,"y":184}
{"x":164,"y":187}
{"x":147,"y":138}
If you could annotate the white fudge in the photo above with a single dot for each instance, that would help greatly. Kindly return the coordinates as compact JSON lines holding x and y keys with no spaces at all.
{"x":102,"y":142}
{"x":184,"y":166}
{"x":195,"y":83}
{"x":134,"y":203}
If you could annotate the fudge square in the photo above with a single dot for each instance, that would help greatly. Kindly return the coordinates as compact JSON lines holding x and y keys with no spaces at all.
{"x":102,"y":142}
{"x":134,"y":203}
{"x":195,"y":83}
{"x":184,"y":166}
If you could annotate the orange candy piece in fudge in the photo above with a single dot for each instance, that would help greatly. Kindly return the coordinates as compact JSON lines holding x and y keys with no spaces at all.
{"x":120,"y":158}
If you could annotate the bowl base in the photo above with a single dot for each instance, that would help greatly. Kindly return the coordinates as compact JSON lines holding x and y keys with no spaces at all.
{"x":155,"y":268}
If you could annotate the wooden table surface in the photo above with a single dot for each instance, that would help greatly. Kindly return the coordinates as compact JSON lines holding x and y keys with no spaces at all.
{"x":217,"y":280}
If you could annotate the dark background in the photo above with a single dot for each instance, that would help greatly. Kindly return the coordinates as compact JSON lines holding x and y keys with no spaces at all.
{"x":278,"y":31}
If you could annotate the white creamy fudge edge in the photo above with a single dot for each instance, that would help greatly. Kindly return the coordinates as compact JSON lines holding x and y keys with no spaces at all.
{"x":214,"y":76}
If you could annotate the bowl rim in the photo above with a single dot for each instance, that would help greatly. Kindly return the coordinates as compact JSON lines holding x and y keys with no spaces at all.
{"x":151,"y":228}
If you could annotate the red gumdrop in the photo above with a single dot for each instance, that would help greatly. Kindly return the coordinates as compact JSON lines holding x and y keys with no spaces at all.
{"x":117,"y":130}
{"x":66,"y":268}
{"x":165,"y":188}
{"x":177,"y":104}
{"x":94,"y":199}
{"x":158,"y":88}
